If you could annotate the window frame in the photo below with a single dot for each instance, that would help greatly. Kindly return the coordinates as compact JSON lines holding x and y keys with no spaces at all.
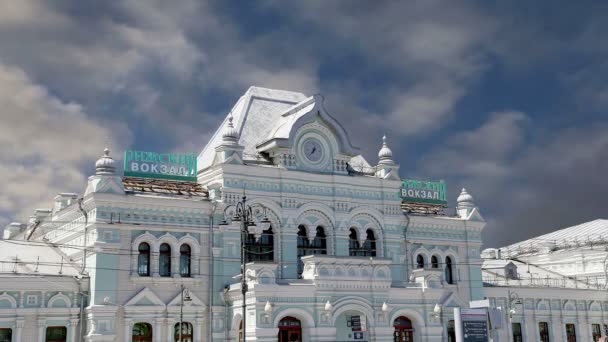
{"x":185,"y":258}
{"x":164,"y":260}
{"x":143,"y":254}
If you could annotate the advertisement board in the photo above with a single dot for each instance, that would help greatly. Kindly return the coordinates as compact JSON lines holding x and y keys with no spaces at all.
{"x":474,"y":325}
{"x":171,"y":166}
{"x":424,"y":192}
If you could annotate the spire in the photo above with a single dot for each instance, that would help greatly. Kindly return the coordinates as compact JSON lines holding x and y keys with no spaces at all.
{"x":385,"y":154}
{"x":465,"y":200}
{"x":105,"y":165}
{"x":230,"y":135}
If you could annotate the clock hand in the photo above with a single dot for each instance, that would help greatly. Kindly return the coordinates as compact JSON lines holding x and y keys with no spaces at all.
{"x":313,"y":150}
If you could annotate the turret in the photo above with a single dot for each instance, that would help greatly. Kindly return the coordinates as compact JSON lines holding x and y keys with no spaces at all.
{"x":386,"y":168}
{"x":229,"y":151}
{"x":465,"y":203}
{"x":105,"y":178}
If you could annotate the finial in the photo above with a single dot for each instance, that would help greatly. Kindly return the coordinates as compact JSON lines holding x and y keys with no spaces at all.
{"x":105,"y":165}
{"x":465,"y":200}
{"x":106,"y":152}
{"x":385,"y":154}
{"x":230,"y":133}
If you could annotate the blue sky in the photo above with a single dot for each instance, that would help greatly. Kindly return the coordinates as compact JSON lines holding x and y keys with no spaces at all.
{"x":506,"y":99}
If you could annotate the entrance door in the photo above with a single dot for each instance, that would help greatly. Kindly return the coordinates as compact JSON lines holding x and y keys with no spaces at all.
{"x":404,"y":332}
{"x":290,"y":330}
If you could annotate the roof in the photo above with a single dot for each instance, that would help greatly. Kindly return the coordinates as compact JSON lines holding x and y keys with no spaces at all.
{"x":591,"y":232}
{"x":34,"y":257}
{"x":255,"y":115}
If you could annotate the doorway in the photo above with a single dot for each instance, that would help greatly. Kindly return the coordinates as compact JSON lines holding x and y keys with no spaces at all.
{"x":290,"y":330}
{"x":404,"y":332}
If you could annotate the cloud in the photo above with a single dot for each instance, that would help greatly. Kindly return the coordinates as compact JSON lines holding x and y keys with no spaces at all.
{"x":45,"y":144}
{"x":525,"y":189}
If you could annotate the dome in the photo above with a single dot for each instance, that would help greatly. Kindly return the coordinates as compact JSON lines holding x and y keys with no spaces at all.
{"x":105,"y":165}
{"x":465,"y":199}
{"x":385,"y":154}
{"x":230,"y":133}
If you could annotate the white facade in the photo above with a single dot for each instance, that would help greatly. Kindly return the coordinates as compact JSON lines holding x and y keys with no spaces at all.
{"x":365,"y":261}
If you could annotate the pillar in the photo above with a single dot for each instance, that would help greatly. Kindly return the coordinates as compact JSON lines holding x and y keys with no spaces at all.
{"x":128,"y":327}
{"x":170,"y":323}
{"x":157,"y":333}
{"x":19,"y":328}
{"x":73,"y":326}
{"x":41,"y":332}
{"x":198,"y":331}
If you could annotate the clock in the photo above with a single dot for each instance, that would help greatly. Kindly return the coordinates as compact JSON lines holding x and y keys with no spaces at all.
{"x":313,"y":150}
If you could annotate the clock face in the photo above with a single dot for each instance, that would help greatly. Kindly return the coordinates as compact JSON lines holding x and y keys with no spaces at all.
{"x":313,"y":150}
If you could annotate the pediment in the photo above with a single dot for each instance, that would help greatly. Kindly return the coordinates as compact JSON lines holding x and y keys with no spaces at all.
{"x":476,"y":216}
{"x":145,"y":297}
{"x":177,"y":300}
{"x":453,"y":301}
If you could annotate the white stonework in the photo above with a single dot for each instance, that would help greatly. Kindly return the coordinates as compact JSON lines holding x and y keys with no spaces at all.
{"x":285,"y":152}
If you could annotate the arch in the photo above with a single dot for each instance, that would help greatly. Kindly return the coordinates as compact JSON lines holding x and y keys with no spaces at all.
{"x":414,"y":316}
{"x":272,"y":210}
{"x":142,"y":331}
{"x":352,"y":303}
{"x":165,"y":258}
{"x":143,"y":259}
{"x":169,"y":239}
{"x":10,"y":299}
{"x":435,"y":261}
{"x":450,"y":270}
{"x":55,"y":301}
{"x":420,"y":261}
{"x":372,"y":218}
{"x":354,"y":246}
{"x":324,"y":218}
{"x":304,"y":316}
{"x":185,"y":260}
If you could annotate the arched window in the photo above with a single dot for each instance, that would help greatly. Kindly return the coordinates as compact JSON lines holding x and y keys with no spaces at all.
{"x":290,"y":329}
{"x":403,"y":329}
{"x":186,"y":332}
{"x":449,"y":271}
{"x":261,"y":249}
{"x":353,"y":243}
{"x":6,"y":334}
{"x":164,"y":262}
{"x":369,"y":247}
{"x":56,"y":334}
{"x":306,"y":247}
{"x":302,"y":247}
{"x":420,"y":261}
{"x":184,"y":260}
{"x":434,"y":262}
{"x":142,"y":332}
{"x":143,"y":259}
{"x":319,"y":244}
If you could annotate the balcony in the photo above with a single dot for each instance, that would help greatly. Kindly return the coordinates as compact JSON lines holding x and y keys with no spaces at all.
{"x":340,"y":272}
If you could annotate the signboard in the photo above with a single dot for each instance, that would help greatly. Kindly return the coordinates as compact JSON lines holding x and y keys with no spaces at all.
{"x":172,"y":166}
{"x":358,"y":323}
{"x":474,"y":325}
{"x":416,"y":191}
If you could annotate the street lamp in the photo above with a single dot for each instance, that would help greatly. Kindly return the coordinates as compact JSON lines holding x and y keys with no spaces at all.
{"x":181,"y":310}
{"x":243,"y":213}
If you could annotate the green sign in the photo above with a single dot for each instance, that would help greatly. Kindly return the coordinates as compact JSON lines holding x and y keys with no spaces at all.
{"x":416,"y":191}
{"x":172,"y":166}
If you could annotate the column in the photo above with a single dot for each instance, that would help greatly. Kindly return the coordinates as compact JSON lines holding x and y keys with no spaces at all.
{"x":73,"y":326}
{"x":128,"y":327}
{"x":197,"y":325}
{"x":170,"y":323}
{"x":19,"y":328}
{"x":158,"y":330}
{"x":41,"y":330}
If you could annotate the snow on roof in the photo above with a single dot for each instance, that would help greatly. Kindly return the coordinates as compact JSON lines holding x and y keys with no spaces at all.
{"x":261,"y":109}
{"x":585,"y":233}
{"x":34,"y":257}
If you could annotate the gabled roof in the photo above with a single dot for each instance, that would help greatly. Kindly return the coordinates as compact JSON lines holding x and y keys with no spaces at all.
{"x":591,"y":232}
{"x":255,"y":114}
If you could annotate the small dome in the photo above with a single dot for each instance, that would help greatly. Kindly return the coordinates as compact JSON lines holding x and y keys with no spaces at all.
{"x":465,"y":199}
{"x":385,"y":154}
{"x":230,"y":133}
{"x":105,"y":165}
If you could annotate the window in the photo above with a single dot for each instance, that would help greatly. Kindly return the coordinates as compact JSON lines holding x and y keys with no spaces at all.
{"x":184,"y":260}
{"x":164,"y":263}
{"x":305,"y":247}
{"x":517,"y":336}
{"x":32,"y":300}
{"x":434,"y":262}
{"x":6,"y":335}
{"x":261,"y":249}
{"x":420,"y":261}
{"x":302,"y":248}
{"x":56,"y":334}
{"x":543,"y":329}
{"x":142,"y":332}
{"x":596,"y":332}
{"x":451,"y":331}
{"x":353,"y":243}
{"x":186,"y":332}
{"x":369,"y":246}
{"x":570,"y":333}
{"x":143,"y":260}
{"x":449,"y":272}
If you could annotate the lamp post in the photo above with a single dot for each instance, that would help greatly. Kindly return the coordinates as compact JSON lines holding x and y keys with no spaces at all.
{"x":244,"y":214}
{"x":181,"y":310}
{"x":513,"y":300}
